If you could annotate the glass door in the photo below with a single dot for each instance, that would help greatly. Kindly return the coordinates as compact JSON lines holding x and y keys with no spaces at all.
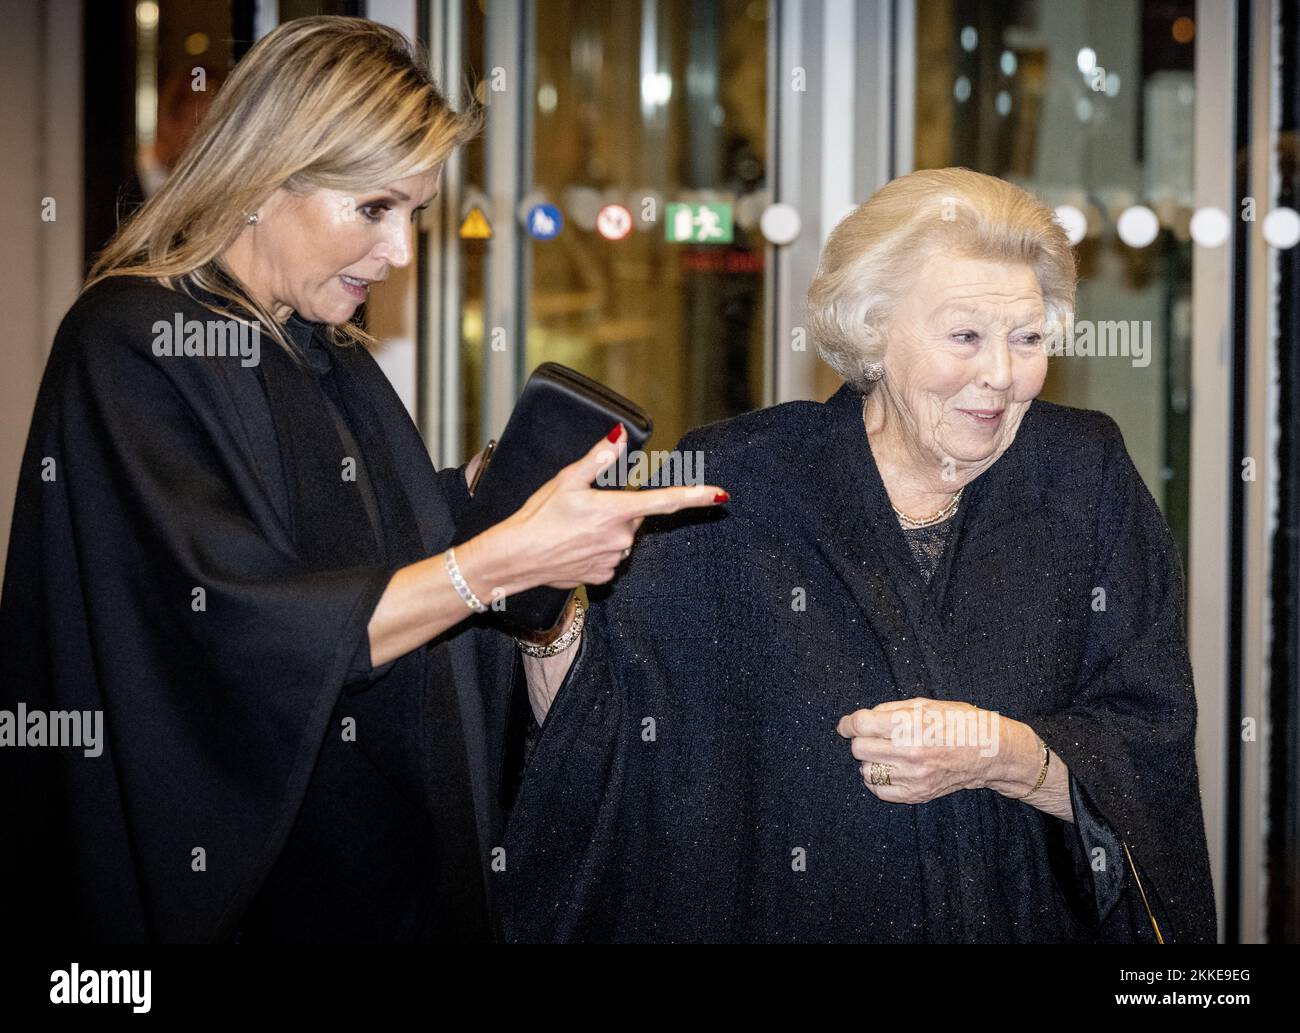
{"x":609,"y":214}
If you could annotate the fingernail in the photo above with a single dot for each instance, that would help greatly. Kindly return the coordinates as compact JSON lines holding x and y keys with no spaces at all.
{"x":616,"y":433}
{"x":720,"y":498}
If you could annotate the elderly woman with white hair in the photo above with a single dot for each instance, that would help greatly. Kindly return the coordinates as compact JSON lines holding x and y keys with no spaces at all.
{"x":924,"y":679}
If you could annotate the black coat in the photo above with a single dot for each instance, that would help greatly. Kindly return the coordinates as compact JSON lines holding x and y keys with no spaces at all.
{"x":229,"y":727}
{"x":691,"y":765}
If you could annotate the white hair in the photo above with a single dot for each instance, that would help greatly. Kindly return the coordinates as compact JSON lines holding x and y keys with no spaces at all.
{"x":872,"y":256}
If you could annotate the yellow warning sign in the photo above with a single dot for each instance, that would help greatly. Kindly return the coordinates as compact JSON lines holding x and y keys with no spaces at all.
{"x":475,"y":226}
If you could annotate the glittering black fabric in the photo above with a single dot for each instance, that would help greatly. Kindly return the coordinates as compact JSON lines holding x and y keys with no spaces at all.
{"x":689,"y":783}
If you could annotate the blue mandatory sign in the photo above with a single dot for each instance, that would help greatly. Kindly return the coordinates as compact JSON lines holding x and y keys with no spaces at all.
{"x":544,"y":222}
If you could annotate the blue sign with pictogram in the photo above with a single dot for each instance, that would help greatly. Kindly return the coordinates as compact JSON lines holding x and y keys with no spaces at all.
{"x":544,"y":222}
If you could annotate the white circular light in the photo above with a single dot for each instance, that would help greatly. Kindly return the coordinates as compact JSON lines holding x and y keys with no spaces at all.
{"x":970,"y":39}
{"x":1138,"y":226}
{"x":1008,"y":62}
{"x":1210,"y":227}
{"x":1002,"y":103}
{"x":780,"y":223}
{"x":961,"y":89}
{"x":1073,"y":221}
{"x":1281,"y":228}
{"x":1083,"y":109}
{"x":1112,"y":84}
{"x":1087,"y":60}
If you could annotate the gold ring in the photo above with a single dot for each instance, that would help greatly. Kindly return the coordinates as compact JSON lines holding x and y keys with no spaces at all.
{"x":879,"y":773}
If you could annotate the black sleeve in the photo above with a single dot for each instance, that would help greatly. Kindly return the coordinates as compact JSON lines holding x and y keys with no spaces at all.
{"x":1129,"y":735}
{"x":587,"y":810}
{"x":451,"y":482}
{"x":152,"y":580}
{"x":1087,"y":859}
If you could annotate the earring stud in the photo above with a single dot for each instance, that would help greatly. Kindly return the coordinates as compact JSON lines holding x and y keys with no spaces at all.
{"x":874,"y":371}
{"x":252,"y":219}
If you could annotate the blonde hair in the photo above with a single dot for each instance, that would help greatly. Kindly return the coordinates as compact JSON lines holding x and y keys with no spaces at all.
{"x":321,"y":102}
{"x":873,"y":254}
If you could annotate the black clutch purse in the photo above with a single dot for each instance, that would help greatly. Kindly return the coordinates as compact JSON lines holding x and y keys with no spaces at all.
{"x":560,"y":415}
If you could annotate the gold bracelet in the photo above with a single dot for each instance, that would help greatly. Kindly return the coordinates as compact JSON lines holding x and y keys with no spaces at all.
{"x":1042,"y":774}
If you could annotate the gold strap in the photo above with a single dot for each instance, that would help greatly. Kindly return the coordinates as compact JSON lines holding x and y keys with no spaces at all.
{"x":1133,"y":868}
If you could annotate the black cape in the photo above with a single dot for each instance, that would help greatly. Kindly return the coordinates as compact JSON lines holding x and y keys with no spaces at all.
{"x":689,"y":783}
{"x":328,"y":803}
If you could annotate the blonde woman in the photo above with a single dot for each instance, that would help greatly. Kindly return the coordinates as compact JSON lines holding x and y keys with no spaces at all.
{"x":924,"y":680}
{"x":229,"y":567}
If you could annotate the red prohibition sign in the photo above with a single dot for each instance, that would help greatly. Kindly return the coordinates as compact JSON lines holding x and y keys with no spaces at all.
{"x":614,"y":222}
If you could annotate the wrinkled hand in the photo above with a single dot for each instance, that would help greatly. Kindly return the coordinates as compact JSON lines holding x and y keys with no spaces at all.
{"x":934,"y":747}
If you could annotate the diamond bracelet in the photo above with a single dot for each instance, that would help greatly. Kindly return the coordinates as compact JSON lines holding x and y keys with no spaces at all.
{"x":461,"y":585}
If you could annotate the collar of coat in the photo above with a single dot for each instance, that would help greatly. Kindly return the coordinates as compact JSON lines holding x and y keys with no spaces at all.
{"x":848,"y":512}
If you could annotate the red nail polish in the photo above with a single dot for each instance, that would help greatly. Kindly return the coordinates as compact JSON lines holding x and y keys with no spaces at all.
{"x":614,"y":434}
{"x":720,"y":498}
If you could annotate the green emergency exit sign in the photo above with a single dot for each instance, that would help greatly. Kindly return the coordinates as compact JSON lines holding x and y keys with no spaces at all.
{"x":699,"y":224}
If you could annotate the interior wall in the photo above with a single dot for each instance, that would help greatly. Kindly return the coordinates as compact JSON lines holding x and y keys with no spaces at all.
{"x":40,"y":227}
